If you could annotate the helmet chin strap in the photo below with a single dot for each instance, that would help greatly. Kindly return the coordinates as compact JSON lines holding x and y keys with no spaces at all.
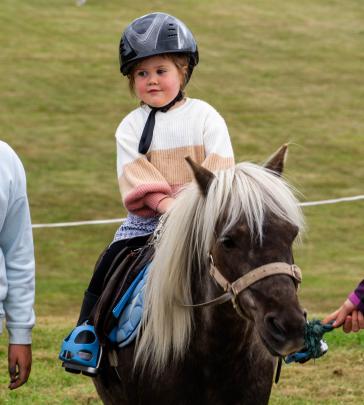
{"x":147,"y":135}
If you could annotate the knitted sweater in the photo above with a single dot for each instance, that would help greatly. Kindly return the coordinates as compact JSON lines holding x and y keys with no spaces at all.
{"x":16,"y":250}
{"x":193,"y":129}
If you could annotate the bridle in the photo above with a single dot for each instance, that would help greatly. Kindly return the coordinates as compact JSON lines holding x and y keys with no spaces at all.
{"x":232,"y":290}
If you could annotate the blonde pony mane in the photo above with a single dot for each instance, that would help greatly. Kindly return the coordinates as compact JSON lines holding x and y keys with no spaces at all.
{"x":186,"y":239}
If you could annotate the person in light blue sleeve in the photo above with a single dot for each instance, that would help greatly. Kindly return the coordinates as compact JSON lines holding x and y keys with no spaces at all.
{"x":17,"y":266}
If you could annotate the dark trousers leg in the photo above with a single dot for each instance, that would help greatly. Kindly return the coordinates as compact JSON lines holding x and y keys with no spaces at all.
{"x":95,"y":287}
{"x":88,"y":303}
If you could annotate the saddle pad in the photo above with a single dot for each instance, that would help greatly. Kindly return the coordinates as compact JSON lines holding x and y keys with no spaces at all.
{"x":129,"y":311}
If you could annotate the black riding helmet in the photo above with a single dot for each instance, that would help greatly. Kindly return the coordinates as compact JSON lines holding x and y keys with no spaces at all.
{"x":156,"y":34}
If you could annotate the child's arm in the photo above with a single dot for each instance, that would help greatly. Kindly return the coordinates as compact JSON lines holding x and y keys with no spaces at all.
{"x":218,"y":150}
{"x":357,"y":296}
{"x":165,"y":205}
{"x":142,"y":186}
{"x":350,"y":314}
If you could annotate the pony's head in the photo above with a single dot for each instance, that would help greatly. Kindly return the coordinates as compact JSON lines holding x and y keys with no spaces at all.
{"x":242,"y":218}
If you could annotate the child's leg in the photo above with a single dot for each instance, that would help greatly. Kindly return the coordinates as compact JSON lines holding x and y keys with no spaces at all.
{"x":103,"y":265}
{"x":81,"y":350}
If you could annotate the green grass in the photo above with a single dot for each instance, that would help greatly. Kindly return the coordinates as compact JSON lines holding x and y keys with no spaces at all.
{"x":325,"y":381}
{"x":48,"y":383}
{"x":282,"y":71}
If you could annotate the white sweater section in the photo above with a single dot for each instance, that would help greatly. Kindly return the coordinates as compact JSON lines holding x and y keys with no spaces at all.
{"x":194,"y":123}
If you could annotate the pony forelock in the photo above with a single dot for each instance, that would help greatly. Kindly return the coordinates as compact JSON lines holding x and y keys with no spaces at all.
{"x":247,"y":191}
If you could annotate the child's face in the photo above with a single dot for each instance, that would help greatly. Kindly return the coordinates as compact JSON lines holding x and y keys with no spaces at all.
{"x":157,"y":81}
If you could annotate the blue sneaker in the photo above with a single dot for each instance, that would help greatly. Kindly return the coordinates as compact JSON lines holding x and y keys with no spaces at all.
{"x":81,"y":351}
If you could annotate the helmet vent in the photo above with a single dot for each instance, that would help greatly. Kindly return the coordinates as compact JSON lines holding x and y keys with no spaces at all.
{"x":172,"y":31}
{"x":155,"y":34}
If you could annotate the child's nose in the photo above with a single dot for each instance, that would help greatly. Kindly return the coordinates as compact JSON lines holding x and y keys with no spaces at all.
{"x":152,"y":79}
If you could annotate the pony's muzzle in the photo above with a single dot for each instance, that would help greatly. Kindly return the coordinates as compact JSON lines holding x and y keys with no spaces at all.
{"x":285,"y":332}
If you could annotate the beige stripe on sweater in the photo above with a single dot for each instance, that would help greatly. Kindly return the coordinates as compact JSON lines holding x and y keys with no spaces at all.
{"x":169,"y":166}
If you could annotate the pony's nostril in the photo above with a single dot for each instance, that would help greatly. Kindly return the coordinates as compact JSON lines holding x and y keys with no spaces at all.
{"x":274,"y":326}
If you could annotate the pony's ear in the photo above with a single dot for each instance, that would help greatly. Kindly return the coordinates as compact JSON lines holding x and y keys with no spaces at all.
{"x":277,"y":160}
{"x":203,"y":176}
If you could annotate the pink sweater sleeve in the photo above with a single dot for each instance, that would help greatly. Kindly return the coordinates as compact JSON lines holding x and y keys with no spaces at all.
{"x":141,"y":184}
{"x":144,"y":199}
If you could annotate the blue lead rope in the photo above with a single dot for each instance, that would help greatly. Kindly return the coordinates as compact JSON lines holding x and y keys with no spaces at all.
{"x":315,"y":346}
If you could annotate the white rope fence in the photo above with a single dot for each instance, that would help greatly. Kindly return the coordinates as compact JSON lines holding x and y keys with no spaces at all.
{"x":334,"y":201}
{"x":79,"y":223}
{"x":119,"y":220}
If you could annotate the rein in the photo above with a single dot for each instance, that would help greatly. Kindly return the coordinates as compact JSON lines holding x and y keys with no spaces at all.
{"x":232,"y":290}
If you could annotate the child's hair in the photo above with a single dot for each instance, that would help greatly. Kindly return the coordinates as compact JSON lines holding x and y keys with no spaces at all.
{"x":180,"y":60}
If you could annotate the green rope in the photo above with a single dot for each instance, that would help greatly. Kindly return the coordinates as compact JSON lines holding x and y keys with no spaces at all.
{"x":314,"y":331}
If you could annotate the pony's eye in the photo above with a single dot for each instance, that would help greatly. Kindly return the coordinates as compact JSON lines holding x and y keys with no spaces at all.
{"x":227,"y":242}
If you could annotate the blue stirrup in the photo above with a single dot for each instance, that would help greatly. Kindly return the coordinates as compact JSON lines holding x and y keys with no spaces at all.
{"x":81,"y":350}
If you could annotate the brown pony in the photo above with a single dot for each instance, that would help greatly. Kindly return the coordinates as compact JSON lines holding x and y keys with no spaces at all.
{"x":236,"y":224}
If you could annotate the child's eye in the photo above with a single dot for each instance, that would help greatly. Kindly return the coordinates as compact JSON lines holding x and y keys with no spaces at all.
{"x":161,"y":71}
{"x":142,"y":73}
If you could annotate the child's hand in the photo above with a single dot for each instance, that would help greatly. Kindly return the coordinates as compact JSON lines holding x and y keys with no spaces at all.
{"x":165,"y":205}
{"x":341,"y":314}
{"x":354,"y":322}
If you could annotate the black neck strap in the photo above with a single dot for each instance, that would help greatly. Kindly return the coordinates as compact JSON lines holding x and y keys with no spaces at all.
{"x":147,"y":135}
